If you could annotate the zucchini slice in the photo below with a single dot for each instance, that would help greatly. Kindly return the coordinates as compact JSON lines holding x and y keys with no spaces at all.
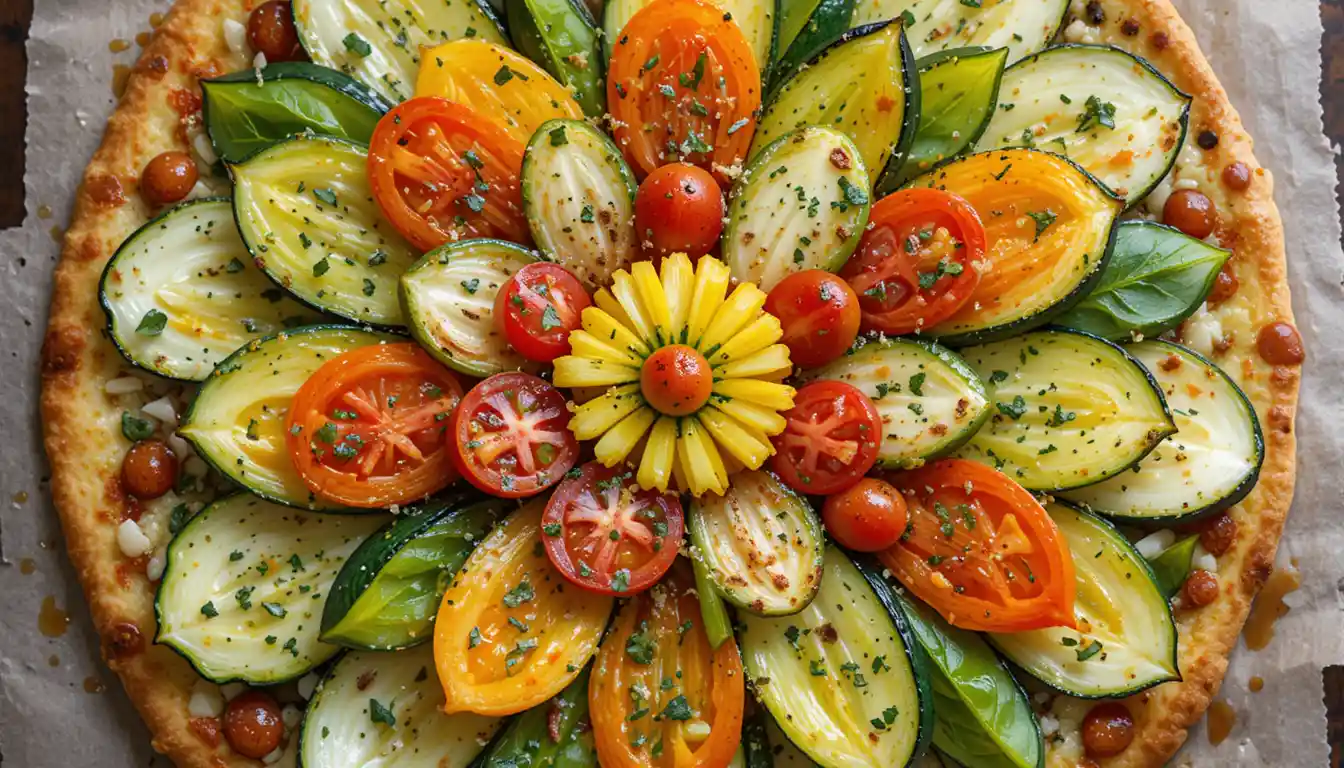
{"x":1022,"y":26}
{"x":1211,"y":462}
{"x":1069,"y":410}
{"x":383,"y":709}
{"x":843,"y":679}
{"x":1048,"y":230}
{"x":801,"y":204}
{"x":806,"y":27}
{"x":713,"y":612}
{"x":958,"y":91}
{"x":929,"y":399}
{"x":556,"y":734}
{"x":305,"y":211}
{"x":983,"y":716}
{"x":378,"y":42}
{"x":245,"y":112}
{"x":560,"y":35}
{"x":385,"y":597}
{"x":449,"y":299}
{"x":244,"y":584}
{"x":1126,"y":637}
{"x":237,"y":421}
{"x":756,"y":19}
{"x":181,"y":293}
{"x":864,"y":85}
{"x":579,"y":196}
{"x":1108,"y":110}
{"x":761,"y":544}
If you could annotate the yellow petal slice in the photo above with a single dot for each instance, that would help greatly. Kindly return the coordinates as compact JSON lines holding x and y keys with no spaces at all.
{"x":763,"y":364}
{"x":655,"y":470}
{"x":598,"y":415}
{"x":736,"y":440}
{"x":608,"y":303}
{"x":679,"y":474}
{"x":767,"y":393}
{"x":571,"y":371}
{"x":651,"y":296}
{"x":767,"y":421}
{"x":623,"y":288}
{"x":761,"y":333}
{"x":743,"y":306}
{"x":585,"y":344}
{"x":695,"y":460}
{"x":678,"y":284}
{"x":711,"y":283}
{"x":614,"y":331}
{"x":622,"y":438}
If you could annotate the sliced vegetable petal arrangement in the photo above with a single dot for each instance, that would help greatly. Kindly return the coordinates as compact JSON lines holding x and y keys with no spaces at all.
{"x":684,"y":387}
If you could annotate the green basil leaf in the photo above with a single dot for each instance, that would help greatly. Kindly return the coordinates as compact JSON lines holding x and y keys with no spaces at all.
{"x":1171,"y":566}
{"x":1156,"y":277}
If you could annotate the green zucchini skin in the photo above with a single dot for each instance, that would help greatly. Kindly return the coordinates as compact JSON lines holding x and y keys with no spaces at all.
{"x":527,"y":740}
{"x":718,"y":623}
{"x":245,"y":112}
{"x":462,"y":519}
{"x":562,"y":37}
{"x":828,"y":22}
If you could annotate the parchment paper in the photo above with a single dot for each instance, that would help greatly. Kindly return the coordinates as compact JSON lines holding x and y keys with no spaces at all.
{"x":1266,"y":55}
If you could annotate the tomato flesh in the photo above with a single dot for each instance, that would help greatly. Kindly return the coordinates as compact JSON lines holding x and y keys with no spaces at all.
{"x":442,"y":172}
{"x":538,"y":308}
{"x":981,"y":550}
{"x":511,"y":435}
{"x":916,"y":263}
{"x":869,"y":516}
{"x":679,"y":209}
{"x":830,"y":439}
{"x":608,"y":536}
{"x":367,"y":429}
{"x":819,"y":314}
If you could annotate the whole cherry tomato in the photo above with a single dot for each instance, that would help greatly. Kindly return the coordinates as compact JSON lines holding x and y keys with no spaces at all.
{"x":819,"y":313}
{"x":679,"y":208}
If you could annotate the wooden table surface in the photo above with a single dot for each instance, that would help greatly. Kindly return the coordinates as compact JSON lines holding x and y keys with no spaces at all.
{"x":15,"y":16}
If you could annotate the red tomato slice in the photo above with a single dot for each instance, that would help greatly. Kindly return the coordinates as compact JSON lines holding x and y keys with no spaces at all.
{"x":683,"y":86}
{"x":367,"y":429}
{"x":981,"y":551}
{"x":819,"y":314}
{"x":915,"y":265}
{"x":511,"y":435}
{"x":830,"y":440}
{"x":538,"y":308}
{"x":441,"y":172}
{"x":606,"y":535}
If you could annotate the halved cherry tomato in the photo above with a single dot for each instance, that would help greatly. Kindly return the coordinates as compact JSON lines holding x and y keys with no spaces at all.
{"x":658,"y":687}
{"x":606,"y":535}
{"x":868,"y":516}
{"x":819,"y":314}
{"x":915,"y":264}
{"x":981,"y":551}
{"x":367,"y":429}
{"x":511,"y":435}
{"x":683,"y":86}
{"x":679,"y":208}
{"x":538,"y":307}
{"x":830,"y":439}
{"x":441,"y":171}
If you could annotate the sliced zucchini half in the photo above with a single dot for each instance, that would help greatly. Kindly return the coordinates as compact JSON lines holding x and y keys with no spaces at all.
{"x":449,"y":299}
{"x":843,"y":679}
{"x":1211,"y":462}
{"x":801,"y":204}
{"x":1108,"y":110}
{"x":1048,"y":230}
{"x":806,"y":27}
{"x":386,"y":596}
{"x":378,"y":42}
{"x":983,"y":716}
{"x":560,"y":36}
{"x":306,"y":213}
{"x":551,"y":735}
{"x":761,"y":544}
{"x":237,"y":421}
{"x":958,"y":92}
{"x":579,"y":196}
{"x":756,"y":19}
{"x":245,"y":112}
{"x":1070,"y":409}
{"x":383,"y":709}
{"x":864,"y":85}
{"x":181,"y":293}
{"x":244,"y":584}
{"x":1022,"y":26}
{"x":1126,"y":636}
{"x":929,"y":399}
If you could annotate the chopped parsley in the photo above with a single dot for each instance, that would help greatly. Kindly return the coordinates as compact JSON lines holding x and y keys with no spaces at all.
{"x":152,"y":324}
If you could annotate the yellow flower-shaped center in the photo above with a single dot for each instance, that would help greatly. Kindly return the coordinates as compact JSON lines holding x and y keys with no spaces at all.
{"x":691,"y":373}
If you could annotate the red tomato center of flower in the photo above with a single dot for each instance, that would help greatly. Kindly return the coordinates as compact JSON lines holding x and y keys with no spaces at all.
{"x":676,"y":380}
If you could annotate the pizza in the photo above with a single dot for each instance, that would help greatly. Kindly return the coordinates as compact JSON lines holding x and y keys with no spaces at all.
{"x":671,"y":383}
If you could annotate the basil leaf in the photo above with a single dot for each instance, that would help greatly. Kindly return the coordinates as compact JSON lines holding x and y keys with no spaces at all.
{"x":1171,"y":566}
{"x":1156,"y":277}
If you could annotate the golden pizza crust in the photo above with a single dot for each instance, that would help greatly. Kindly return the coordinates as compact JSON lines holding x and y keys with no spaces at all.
{"x":85,"y":446}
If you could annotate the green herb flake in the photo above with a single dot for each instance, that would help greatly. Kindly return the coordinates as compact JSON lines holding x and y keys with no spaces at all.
{"x":152,"y":324}
{"x":381,"y":714}
{"x":357,"y":45}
